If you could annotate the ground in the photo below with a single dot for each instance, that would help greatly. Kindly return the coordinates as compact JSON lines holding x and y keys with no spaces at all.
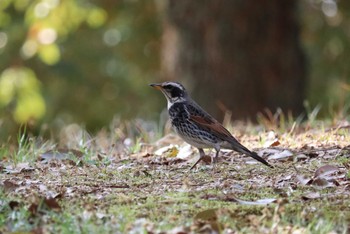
{"x":110,"y":183}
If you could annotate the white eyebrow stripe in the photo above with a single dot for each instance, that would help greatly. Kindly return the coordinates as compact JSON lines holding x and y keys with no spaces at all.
{"x":175,"y":84}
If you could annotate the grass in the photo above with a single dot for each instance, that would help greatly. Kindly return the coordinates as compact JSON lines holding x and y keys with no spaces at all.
{"x":112,"y":184}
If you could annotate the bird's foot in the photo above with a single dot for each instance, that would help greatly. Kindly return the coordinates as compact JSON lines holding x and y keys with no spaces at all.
{"x":206,"y":158}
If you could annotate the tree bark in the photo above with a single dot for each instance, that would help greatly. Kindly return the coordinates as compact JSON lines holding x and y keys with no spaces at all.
{"x":242,"y":56}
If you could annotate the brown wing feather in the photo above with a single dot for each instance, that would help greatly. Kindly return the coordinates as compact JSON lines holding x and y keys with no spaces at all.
{"x":218,"y":130}
{"x":213,"y":126}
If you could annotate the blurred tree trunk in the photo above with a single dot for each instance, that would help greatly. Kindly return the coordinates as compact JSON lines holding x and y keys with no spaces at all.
{"x":235,"y":54}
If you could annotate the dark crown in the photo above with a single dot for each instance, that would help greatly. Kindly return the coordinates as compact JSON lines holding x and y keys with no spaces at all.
{"x":175,"y":89}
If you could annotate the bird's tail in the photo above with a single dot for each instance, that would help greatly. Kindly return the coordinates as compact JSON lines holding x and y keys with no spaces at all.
{"x":240,"y":148}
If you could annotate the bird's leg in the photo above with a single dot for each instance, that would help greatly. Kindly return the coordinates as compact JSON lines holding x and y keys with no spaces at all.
{"x":201,"y":156}
{"x":216,"y":157}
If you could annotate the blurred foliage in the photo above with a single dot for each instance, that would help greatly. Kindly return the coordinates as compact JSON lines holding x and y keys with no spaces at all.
{"x":21,"y":84}
{"x":86,"y":61}
{"x":325,"y":35}
{"x":89,"y":61}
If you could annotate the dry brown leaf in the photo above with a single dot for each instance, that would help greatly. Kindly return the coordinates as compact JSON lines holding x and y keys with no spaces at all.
{"x":52,"y":203}
{"x":322,"y":177}
{"x":207,"y":159}
{"x":321,"y":183}
{"x":33,"y":209}
{"x":271,"y":140}
{"x":275,"y":143}
{"x":20,"y":167}
{"x":326,"y":170}
{"x":9,"y":185}
{"x":272,"y":143}
{"x":13,"y":204}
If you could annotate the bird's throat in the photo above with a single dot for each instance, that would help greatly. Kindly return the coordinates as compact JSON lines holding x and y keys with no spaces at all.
{"x":169,"y":104}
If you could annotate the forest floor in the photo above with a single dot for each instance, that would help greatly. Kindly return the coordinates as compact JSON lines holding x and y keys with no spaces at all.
{"x":112,"y":184}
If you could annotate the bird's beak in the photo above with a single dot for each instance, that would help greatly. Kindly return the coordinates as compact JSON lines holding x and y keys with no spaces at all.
{"x":159,"y":86}
{"x":156,"y":86}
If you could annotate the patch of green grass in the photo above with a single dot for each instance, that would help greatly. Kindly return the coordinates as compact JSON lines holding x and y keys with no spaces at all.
{"x":118,"y":212}
{"x":4,"y":152}
{"x":27,"y":150}
{"x":101,"y":193}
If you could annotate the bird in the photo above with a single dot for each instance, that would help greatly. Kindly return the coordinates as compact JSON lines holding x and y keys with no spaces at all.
{"x":195,"y":126}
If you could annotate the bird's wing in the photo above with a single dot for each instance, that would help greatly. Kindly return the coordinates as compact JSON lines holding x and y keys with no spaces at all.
{"x":212,"y":126}
{"x":218,"y":130}
{"x":204,"y":120}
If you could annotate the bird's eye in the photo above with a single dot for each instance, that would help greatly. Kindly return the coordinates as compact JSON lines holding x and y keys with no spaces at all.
{"x":168,"y":87}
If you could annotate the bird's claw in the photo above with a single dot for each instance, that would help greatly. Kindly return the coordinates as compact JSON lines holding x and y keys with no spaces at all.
{"x":206,"y":158}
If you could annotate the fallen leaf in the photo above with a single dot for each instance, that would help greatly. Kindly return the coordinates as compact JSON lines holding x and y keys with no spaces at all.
{"x":271,"y":143}
{"x":20,"y":167}
{"x":33,"y":209}
{"x":13,"y":204}
{"x":281,"y":192}
{"x":101,"y":215}
{"x":167,"y":151}
{"x":314,"y":154}
{"x":269,"y":151}
{"x":326,"y":170}
{"x":311,"y":196}
{"x":301,"y":157}
{"x":257,"y":202}
{"x":179,"y":230}
{"x":207,"y":159}
{"x":60,"y":154}
{"x":9,"y":185}
{"x":281,"y":155}
{"x":322,"y":183}
{"x":140,"y":155}
{"x":271,"y":139}
{"x":322,"y":178}
{"x":52,"y":203}
{"x":303,"y":180}
{"x":185,"y":151}
{"x":173,"y":152}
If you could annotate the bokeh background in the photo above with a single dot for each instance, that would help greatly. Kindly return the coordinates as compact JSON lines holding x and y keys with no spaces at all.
{"x":88,"y":62}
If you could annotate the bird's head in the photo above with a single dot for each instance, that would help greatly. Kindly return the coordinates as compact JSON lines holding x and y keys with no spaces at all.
{"x":173,"y":91}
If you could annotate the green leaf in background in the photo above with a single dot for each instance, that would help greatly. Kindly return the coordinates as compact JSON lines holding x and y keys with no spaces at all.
{"x":49,"y":54}
{"x":29,"y":106}
{"x":19,"y":86}
{"x":96,"y":17}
